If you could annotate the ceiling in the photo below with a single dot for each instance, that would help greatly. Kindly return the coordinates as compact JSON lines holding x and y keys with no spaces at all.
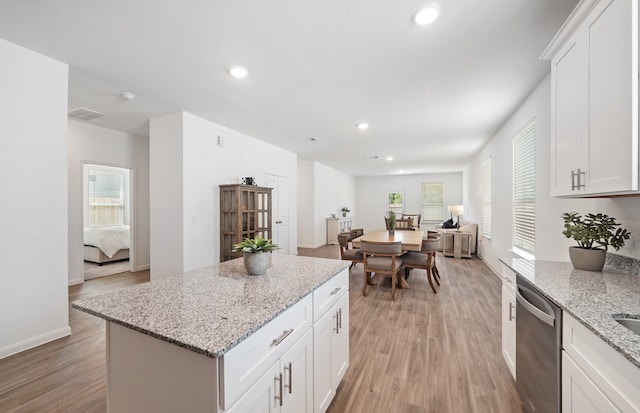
{"x":433,"y":95}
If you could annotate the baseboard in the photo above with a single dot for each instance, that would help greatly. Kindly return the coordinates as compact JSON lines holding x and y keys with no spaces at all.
{"x":34,"y":342}
{"x":311,"y":246}
{"x":142,"y":267}
{"x":75,"y":282}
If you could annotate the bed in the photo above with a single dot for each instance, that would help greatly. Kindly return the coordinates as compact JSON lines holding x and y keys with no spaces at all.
{"x":106,"y":244}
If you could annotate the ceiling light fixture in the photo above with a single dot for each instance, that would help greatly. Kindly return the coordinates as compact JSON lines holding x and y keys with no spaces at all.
{"x":238,"y":72}
{"x":427,"y":15}
{"x":389,"y":158}
{"x":363,"y":126}
{"x":127,"y":96}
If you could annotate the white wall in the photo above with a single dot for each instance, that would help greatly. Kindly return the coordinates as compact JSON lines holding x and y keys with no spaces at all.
{"x":372,"y":195}
{"x":306,"y":204}
{"x":187,"y":166}
{"x":95,"y":144}
{"x":550,"y":243}
{"x":33,"y":211}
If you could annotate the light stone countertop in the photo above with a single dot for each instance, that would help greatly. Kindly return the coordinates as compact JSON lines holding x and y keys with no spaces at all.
{"x":212,"y":309}
{"x":590,"y":297}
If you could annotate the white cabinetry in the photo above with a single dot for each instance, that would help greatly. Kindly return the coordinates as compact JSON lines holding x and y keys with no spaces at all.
{"x":594,"y":100}
{"x":286,"y":386}
{"x":509,"y":318}
{"x":595,"y":377}
{"x":330,"y":339}
{"x":337,"y":225}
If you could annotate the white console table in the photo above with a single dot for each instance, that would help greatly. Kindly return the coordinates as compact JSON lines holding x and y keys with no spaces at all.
{"x":337,"y":225}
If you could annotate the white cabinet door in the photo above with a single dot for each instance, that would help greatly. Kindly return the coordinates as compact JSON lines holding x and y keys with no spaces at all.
{"x":297,"y":368}
{"x":330,"y":352}
{"x":613,"y":86}
{"x":568,"y":115}
{"x":509,"y":328}
{"x":579,"y":393}
{"x":264,"y":395}
{"x":340,"y":341}
{"x":323,"y":390}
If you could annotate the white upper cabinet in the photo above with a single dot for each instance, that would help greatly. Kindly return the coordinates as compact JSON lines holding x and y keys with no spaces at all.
{"x":594,"y":100}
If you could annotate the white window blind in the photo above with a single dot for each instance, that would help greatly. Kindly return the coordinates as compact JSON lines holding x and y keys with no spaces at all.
{"x":433,"y":201}
{"x":486,"y":199}
{"x":524,"y":190}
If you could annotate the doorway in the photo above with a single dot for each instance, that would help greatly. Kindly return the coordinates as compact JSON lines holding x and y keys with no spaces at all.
{"x":279,"y":211}
{"x":107,"y":205}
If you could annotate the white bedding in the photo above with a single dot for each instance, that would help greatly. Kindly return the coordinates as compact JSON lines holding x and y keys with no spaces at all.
{"x":109,"y":239}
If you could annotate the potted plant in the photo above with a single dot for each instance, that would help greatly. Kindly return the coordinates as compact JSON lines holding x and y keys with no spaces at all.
{"x":345,"y":211}
{"x":391,"y":221}
{"x":256,"y":253}
{"x":594,"y":233}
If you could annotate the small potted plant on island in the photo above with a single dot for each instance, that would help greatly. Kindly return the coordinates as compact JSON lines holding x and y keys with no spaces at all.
{"x":345,"y":211}
{"x":256,"y":253}
{"x":594,"y":234}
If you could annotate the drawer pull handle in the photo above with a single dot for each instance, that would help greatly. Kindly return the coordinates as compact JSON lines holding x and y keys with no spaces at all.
{"x":290,"y":386}
{"x":280,"y":339}
{"x":336,"y":291}
{"x":280,"y":387}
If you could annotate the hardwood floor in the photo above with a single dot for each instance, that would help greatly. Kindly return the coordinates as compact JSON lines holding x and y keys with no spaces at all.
{"x":424,"y":352}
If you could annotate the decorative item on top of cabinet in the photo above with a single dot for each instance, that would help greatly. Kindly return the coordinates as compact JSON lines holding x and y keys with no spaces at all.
{"x":245,"y":212}
{"x":594,"y":100}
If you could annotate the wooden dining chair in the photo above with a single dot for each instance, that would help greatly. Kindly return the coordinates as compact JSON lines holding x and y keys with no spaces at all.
{"x":424,"y":260}
{"x":357,"y":232}
{"x":382,"y":259}
{"x":346,"y":253}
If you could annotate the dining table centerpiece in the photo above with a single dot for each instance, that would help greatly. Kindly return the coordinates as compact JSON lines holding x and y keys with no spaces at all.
{"x":256,"y":254}
{"x":594,"y":233}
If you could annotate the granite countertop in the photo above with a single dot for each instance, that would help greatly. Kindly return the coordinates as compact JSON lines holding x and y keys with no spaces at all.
{"x":590,"y":297}
{"x":210,"y":310}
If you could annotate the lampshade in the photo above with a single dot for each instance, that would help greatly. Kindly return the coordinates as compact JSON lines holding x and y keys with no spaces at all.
{"x":456,"y":209}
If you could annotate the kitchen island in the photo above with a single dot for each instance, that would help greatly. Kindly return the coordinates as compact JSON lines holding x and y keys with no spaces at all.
{"x":216,"y":339}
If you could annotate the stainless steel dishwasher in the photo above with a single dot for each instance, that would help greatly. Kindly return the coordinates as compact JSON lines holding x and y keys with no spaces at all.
{"x":538,"y":349}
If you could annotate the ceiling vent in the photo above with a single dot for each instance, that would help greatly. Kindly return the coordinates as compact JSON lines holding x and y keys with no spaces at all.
{"x":371,"y":158}
{"x":84,"y":114}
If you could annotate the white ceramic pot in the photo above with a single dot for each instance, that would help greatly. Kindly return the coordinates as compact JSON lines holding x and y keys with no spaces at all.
{"x":256,"y":263}
{"x":587,"y":259}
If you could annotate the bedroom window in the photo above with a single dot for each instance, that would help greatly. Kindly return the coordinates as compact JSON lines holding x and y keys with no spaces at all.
{"x":106,"y":197}
{"x":524,"y":190}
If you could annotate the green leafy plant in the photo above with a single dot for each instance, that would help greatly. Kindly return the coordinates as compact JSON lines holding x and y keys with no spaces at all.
{"x":252,"y":245}
{"x":392,"y":220}
{"x":345,"y":209}
{"x":599,"y":229}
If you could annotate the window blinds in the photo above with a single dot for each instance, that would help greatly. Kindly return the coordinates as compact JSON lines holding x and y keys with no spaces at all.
{"x":524,"y":190}
{"x":486,"y":199}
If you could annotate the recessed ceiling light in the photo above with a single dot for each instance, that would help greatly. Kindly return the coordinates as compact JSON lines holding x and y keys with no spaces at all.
{"x":400,"y":171}
{"x":363,"y":126}
{"x":238,"y":72}
{"x":127,"y":96}
{"x":312,"y":139}
{"x":427,"y":15}
{"x":389,"y":158}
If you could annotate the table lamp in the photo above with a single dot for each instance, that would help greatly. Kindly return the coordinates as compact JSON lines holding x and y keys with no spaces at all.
{"x":457,"y":210}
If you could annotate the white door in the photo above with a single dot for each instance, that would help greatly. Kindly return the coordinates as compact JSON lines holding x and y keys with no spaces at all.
{"x":280,"y":211}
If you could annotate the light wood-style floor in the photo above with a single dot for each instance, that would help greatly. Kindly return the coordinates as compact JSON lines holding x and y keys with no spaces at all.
{"x":423,"y":353}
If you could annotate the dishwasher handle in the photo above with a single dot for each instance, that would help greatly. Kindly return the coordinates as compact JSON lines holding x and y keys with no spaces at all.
{"x":535,"y":311}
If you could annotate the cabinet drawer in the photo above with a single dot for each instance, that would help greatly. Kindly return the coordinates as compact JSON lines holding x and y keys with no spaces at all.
{"x":246,"y":362}
{"x":614,"y":375}
{"x":329,"y":293}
